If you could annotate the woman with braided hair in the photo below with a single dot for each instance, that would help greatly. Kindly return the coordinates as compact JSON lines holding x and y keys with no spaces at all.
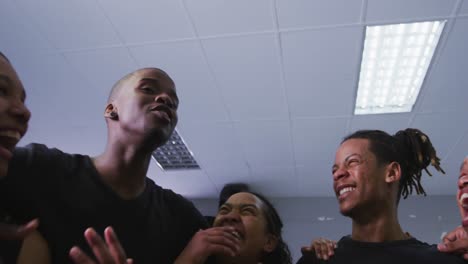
{"x":372,"y":170}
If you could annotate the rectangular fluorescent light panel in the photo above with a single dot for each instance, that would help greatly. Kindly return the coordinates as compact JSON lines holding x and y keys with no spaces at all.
{"x":394,"y":64}
{"x":174,"y":155}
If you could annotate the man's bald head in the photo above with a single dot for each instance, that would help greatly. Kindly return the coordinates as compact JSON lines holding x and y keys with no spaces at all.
{"x":121,"y":83}
{"x":3,"y":56}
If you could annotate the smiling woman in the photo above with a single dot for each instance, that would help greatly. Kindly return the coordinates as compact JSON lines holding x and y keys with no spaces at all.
{"x":247,"y":229}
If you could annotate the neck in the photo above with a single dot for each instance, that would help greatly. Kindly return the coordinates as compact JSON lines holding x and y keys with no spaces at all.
{"x":123,"y":168}
{"x":380,"y":227}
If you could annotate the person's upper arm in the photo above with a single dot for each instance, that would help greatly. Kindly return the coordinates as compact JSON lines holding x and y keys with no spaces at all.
{"x":34,"y":250}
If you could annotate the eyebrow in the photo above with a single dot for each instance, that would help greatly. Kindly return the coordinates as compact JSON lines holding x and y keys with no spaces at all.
{"x":346,"y":159}
{"x":156,"y":81}
{"x":5,"y":78}
{"x":243,"y":205}
{"x":8,"y":80}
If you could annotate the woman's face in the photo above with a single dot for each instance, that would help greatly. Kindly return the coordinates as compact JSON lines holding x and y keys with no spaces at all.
{"x":244,"y":212}
{"x":14,"y":115}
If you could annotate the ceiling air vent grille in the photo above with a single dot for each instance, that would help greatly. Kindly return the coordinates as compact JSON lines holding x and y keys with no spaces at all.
{"x":175,"y":155}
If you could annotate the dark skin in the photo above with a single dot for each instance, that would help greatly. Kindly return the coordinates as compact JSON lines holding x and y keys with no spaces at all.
{"x":135,"y":129}
{"x":140,"y":118}
{"x":372,"y":203}
{"x":456,"y":242}
{"x":14,"y":116}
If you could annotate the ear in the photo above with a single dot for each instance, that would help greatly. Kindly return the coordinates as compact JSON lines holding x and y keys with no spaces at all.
{"x":271,"y":243}
{"x":111,"y":112}
{"x":393,"y":173}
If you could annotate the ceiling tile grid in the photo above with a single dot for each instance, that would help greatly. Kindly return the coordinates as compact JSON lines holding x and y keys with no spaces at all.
{"x":213,"y":17}
{"x":214,"y":145}
{"x":447,"y":83}
{"x":102,"y":67}
{"x":316,"y":140}
{"x":200,"y":98}
{"x":276,"y":181}
{"x":267,"y":88}
{"x":191,"y":185}
{"x":407,"y":10}
{"x":390,"y":123}
{"x":221,"y":175}
{"x":74,"y":24}
{"x":305,"y":13}
{"x":464,"y":8}
{"x":143,"y":21}
{"x":18,"y":35}
{"x":265,"y":143}
{"x":316,"y":179}
{"x":250,"y":82}
{"x":329,"y":57}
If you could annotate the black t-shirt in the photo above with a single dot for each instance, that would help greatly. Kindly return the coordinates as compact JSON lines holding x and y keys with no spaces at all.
{"x":9,"y":249}
{"x":66,"y":193}
{"x":409,"y":251}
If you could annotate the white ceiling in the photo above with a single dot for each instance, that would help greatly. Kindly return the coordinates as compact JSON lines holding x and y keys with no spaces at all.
{"x":267,"y":87}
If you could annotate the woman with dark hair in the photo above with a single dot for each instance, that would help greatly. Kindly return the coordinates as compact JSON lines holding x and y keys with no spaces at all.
{"x":372,"y":170}
{"x":247,"y":229}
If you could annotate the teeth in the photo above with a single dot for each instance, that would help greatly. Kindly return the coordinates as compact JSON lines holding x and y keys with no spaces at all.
{"x":347,"y":189}
{"x":465,"y":195}
{"x":11,"y":134}
{"x":236,"y":234}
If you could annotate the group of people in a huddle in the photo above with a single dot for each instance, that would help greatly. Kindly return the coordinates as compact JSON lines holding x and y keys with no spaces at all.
{"x":57,"y":207}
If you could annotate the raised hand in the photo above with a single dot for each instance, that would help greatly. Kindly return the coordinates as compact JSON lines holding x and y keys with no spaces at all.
{"x":108,"y":252}
{"x":322,"y":248}
{"x":456,"y":242}
{"x":17,"y":232}
{"x":212,"y":241}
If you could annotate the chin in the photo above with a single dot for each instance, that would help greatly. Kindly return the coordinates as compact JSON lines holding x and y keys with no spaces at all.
{"x":346,"y":211}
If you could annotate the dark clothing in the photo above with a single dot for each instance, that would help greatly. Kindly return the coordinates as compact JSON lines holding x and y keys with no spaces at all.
{"x":67,"y":194}
{"x":409,"y":251}
{"x":9,"y":249}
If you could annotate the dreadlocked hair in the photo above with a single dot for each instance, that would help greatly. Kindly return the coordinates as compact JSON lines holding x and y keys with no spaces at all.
{"x":411,"y":148}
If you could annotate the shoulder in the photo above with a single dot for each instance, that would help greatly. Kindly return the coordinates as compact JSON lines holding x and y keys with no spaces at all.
{"x":308,"y":260}
{"x":175,"y":203}
{"x":38,"y":159}
{"x":428,"y":252}
{"x":37,"y":154}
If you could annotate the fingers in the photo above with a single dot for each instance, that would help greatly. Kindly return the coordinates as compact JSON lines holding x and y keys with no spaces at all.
{"x":17,"y":232}
{"x":99,"y":247}
{"x":79,"y":257}
{"x":115,"y":248}
{"x":324,"y":248}
{"x":458,"y":247}
{"x":220,"y":240}
{"x":108,"y":252}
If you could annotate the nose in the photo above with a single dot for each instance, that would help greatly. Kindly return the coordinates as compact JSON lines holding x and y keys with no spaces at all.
{"x":232,"y":217}
{"x":165,"y":99}
{"x":463,"y":182}
{"x":19,"y":110}
{"x":340,"y":173}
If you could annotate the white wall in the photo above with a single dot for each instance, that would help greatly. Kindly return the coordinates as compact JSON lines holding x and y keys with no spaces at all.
{"x":424,"y":217}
